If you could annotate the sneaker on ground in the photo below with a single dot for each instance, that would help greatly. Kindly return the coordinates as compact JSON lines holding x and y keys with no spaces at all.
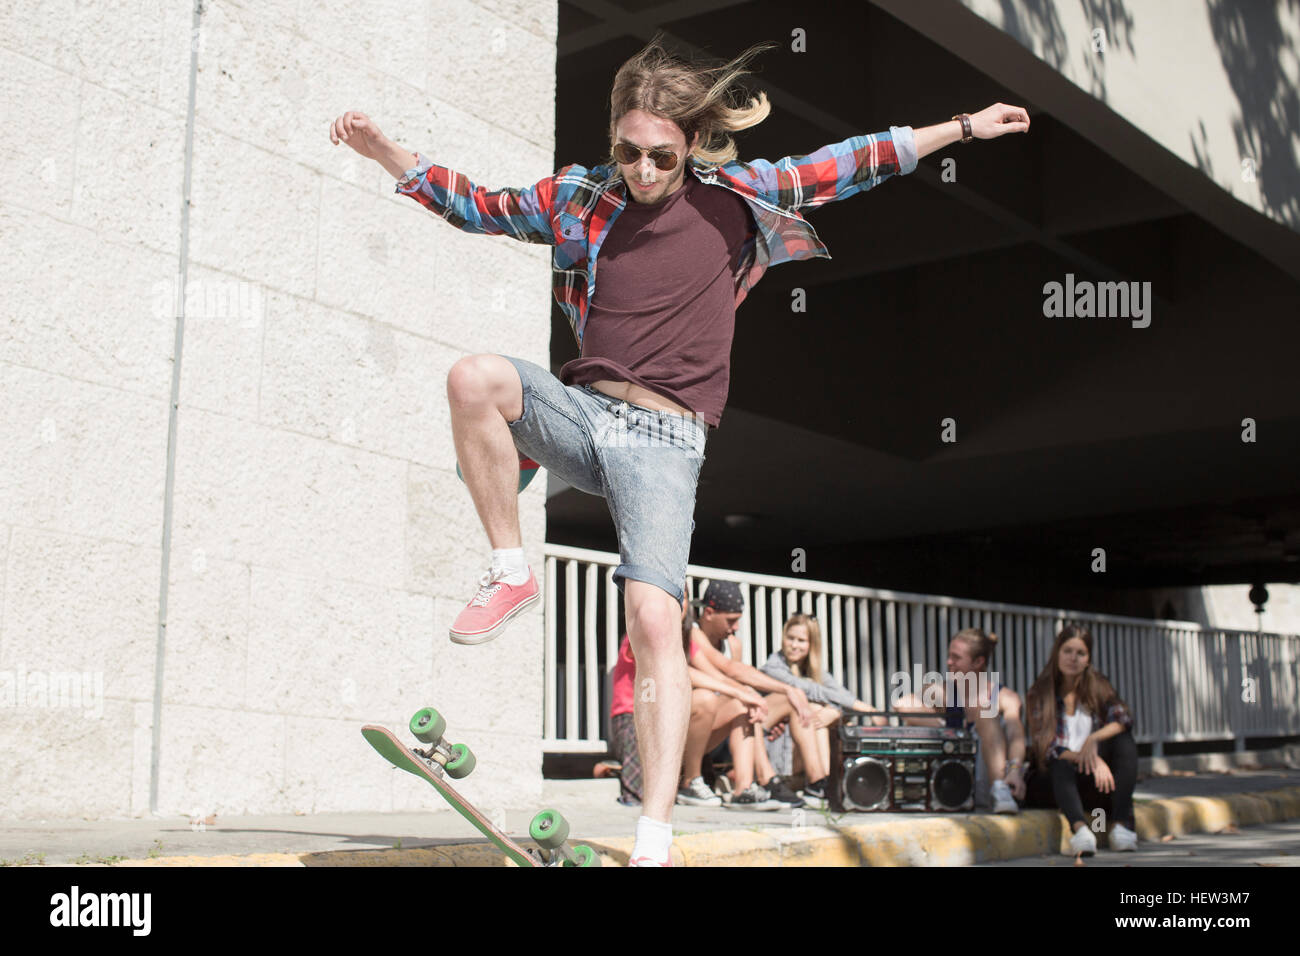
{"x":1003,"y":801}
{"x":780,"y":791}
{"x":493,"y":607}
{"x":1083,"y":842}
{"x":753,"y":797}
{"x":814,"y":793}
{"x":697,"y":794}
{"x":647,"y":861}
{"x":1122,"y":839}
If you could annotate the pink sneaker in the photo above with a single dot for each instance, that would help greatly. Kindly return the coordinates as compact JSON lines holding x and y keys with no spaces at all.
{"x":647,"y":861}
{"x":492,"y":608}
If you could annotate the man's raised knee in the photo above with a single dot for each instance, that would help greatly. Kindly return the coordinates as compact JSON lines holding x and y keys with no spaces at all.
{"x":486,"y":379}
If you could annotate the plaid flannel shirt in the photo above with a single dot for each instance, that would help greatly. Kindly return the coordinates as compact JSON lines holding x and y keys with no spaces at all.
{"x":574,"y":209}
{"x":1116,"y":712}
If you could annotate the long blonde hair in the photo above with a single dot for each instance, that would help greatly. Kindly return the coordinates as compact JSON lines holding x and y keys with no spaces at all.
{"x":696,"y":96}
{"x":811,"y":667}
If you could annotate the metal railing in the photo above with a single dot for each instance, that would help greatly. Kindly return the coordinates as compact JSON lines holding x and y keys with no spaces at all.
{"x":1182,"y":681}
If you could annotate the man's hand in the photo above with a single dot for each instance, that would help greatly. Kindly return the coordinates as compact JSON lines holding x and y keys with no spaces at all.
{"x":747,"y":695}
{"x":360,"y":132}
{"x":755,"y":703}
{"x":1016,"y":781}
{"x":777,"y":729}
{"x":997,"y":120}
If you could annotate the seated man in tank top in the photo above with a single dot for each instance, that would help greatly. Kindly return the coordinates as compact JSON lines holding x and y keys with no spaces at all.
{"x":999,"y":773}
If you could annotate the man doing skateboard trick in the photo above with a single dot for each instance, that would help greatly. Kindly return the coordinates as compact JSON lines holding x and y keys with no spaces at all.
{"x":682,"y":231}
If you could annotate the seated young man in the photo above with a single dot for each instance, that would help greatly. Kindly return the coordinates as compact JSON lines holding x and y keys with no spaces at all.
{"x":721,"y":614}
{"x":999,"y":773}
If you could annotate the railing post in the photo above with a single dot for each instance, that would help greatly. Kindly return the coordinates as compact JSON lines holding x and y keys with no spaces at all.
{"x":549,"y":656}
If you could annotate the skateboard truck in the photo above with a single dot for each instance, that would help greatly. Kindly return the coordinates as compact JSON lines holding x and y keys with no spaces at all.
{"x":456,"y":759}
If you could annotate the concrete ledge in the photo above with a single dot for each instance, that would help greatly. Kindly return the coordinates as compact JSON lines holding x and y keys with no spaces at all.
{"x":1180,"y":815}
{"x":925,"y":841}
{"x":1288,"y":756}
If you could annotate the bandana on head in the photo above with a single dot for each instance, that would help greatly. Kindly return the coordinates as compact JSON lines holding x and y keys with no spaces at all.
{"x":724,"y":597}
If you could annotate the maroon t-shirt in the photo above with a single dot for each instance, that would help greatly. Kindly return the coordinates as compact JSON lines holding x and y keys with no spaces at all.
{"x":665,"y":305}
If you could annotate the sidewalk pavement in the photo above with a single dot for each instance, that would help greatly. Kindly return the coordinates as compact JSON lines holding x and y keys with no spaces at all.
{"x":1198,"y":803}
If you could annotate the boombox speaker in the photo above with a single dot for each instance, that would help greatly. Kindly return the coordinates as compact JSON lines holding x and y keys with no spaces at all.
{"x":929,"y":769}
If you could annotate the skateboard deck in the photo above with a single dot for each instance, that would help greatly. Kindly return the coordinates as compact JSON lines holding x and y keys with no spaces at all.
{"x":402,"y":757}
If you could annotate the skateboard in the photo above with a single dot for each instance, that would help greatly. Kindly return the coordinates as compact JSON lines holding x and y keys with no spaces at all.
{"x":549,"y":830}
{"x":527,"y":472}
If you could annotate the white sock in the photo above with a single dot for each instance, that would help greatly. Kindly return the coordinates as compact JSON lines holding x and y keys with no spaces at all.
{"x":511,"y":561}
{"x":653,"y":839}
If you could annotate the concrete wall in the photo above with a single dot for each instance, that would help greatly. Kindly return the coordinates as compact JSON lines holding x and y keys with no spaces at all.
{"x":1216,"y":82}
{"x":321,"y":543}
{"x":1228,"y":606}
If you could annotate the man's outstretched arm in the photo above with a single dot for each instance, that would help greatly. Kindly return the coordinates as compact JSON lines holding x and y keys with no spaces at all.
{"x":523,"y":214}
{"x":859,"y":163}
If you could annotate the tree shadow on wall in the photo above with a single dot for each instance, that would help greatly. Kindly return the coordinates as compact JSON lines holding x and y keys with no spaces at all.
{"x":1037,"y":25}
{"x":1251,"y":44}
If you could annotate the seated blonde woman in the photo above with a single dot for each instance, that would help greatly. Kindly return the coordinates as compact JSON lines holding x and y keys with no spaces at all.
{"x":799,"y":663}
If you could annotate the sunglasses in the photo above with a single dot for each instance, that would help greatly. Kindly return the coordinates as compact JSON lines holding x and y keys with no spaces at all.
{"x":627,"y":154}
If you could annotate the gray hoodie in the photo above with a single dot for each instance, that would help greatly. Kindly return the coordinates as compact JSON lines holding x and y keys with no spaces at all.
{"x":829,"y":691}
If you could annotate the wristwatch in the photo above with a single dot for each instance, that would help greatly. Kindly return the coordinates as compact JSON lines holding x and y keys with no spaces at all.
{"x":966,"y":136}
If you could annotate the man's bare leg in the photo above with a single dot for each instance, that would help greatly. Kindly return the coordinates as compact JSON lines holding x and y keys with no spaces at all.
{"x":484,"y":393}
{"x":763,"y":769}
{"x":741,"y":742}
{"x":704,"y":708}
{"x":993,"y":743}
{"x":728,"y":712}
{"x":662,"y":709}
{"x":725,"y":713}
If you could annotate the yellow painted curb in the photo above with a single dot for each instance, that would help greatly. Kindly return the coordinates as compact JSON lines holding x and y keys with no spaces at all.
{"x":943,"y":841}
{"x":1180,"y":815}
{"x":251,"y":859}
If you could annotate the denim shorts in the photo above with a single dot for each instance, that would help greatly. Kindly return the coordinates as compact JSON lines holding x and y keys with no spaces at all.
{"x":644,"y":463}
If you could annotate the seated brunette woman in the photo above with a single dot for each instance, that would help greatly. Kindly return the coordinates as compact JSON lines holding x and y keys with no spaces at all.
{"x":1082,"y":744}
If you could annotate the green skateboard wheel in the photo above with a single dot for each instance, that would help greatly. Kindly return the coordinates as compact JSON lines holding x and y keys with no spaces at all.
{"x":549,"y":829}
{"x":461,"y":763}
{"x":428,"y":725}
{"x":585,"y":856}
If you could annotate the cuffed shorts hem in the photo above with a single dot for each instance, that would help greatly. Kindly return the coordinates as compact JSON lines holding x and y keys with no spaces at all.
{"x":639,"y":572}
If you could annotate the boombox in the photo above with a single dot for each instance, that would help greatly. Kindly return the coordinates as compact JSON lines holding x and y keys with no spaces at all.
{"x":873,"y":768}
